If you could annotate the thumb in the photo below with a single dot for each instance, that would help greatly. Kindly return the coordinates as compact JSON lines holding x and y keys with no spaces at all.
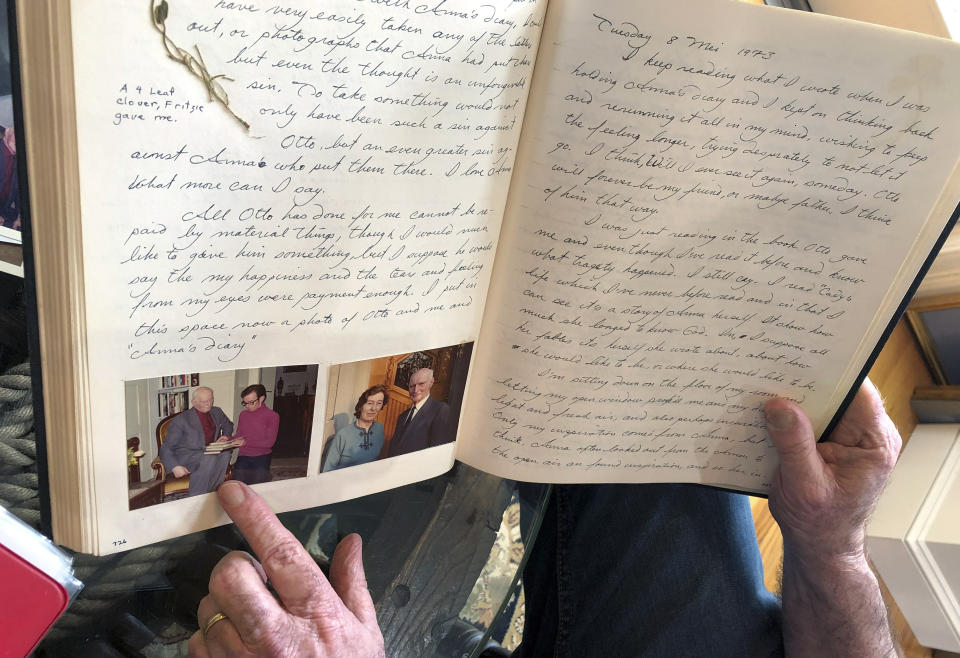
{"x":349,"y":581}
{"x":792,"y":435}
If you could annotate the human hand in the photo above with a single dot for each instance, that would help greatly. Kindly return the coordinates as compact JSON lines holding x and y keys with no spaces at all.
{"x":180,"y":471}
{"x":823,"y":492}
{"x":313,"y":617}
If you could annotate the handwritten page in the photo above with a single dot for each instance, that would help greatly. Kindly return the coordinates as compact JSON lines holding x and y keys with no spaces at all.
{"x":366,"y":192}
{"x":269,"y":183}
{"x":712,"y":206}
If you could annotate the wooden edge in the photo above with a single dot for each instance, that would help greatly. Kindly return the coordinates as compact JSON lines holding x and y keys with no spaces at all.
{"x":937,"y":393}
{"x":935,"y":303}
{"x":926,"y":346}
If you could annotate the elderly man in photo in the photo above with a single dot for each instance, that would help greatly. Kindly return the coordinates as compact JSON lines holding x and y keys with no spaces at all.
{"x":258,"y":426}
{"x":426,"y":423}
{"x":188,"y":435}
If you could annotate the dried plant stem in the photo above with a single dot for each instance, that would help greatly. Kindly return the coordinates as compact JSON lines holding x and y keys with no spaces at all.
{"x":159,"y":9}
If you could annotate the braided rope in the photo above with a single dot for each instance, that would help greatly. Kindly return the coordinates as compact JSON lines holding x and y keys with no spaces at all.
{"x":107,"y":580}
{"x":18,"y":447}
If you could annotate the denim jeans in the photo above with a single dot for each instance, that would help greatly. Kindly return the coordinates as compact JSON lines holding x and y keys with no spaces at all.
{"x":647,"y":570}
{"x":253,"y":470}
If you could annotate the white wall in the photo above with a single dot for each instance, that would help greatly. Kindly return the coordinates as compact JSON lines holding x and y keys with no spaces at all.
{"x":137,"y":412}
{"x":246,"y":378}
{"x":224,"y":384}
{"x":346,"y":383}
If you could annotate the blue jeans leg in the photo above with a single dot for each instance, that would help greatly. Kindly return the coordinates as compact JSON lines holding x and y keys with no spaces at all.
{"x":648,"y":570}
{"x":252,"y":470}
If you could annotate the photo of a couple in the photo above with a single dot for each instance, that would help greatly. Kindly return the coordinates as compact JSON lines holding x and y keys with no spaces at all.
{"x":408,"y":402}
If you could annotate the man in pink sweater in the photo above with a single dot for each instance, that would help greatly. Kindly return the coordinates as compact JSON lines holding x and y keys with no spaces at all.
{"x":258,"y":426}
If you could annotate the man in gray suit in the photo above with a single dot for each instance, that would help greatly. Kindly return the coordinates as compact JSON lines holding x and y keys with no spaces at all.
{"x":425,"y":424}
{"x":189,"y":434}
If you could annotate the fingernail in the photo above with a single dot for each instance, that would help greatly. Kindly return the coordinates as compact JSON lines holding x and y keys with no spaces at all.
{"x":781,"y":419}
{"x":231,"y":493}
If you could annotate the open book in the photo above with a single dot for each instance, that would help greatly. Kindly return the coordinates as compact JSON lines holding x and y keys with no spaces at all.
{"x":635,"y":222}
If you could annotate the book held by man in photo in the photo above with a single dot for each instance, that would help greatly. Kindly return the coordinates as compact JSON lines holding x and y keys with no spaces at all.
{"x":220,"y":446}
{"x":590,"y":242}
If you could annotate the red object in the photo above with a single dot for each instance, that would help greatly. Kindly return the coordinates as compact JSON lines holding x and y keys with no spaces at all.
{"x":31,"y":601}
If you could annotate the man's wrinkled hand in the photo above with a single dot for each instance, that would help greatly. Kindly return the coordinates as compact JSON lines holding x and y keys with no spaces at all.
{"x":180,"y":471}
{"x":309,"y":616}
{"x":823,"y":492}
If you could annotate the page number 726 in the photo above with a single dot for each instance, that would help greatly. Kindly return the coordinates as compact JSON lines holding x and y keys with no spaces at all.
{"x":119,"y":542}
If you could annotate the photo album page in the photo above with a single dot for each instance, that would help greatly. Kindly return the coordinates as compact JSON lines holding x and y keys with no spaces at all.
{"x":301,"y":196}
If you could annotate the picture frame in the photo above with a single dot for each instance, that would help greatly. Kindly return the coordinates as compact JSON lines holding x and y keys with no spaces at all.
{"x":936,"y":324}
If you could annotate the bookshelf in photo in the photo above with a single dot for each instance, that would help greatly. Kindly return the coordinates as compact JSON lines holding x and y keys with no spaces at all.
{"x":173,"y":396}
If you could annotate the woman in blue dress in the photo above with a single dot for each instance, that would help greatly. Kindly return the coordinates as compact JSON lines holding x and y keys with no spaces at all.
{"x":360,"y":441}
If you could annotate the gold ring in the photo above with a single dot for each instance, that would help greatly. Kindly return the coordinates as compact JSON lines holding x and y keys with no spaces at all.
{"x":212,"y":621}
